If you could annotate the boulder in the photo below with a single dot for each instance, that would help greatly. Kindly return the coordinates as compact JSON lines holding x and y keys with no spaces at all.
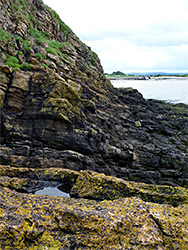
{"x":92,"y":185}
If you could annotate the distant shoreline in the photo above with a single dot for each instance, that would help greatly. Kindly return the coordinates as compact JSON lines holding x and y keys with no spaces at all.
{"x":148,"y":78}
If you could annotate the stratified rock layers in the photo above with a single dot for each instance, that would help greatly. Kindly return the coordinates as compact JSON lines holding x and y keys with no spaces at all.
{"x":59,"y":110}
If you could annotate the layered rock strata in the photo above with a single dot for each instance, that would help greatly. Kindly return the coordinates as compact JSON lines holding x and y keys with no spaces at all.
{"x":59,"y":110}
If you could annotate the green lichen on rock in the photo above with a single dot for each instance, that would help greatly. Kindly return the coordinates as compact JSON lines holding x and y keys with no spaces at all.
{"x":23,"y":175}
{"x":98,"y":186}
{"x":62,"y":223}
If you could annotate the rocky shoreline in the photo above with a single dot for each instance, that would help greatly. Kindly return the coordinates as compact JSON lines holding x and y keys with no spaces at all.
{"x":44,"y":222}
{"x":122,"y":159}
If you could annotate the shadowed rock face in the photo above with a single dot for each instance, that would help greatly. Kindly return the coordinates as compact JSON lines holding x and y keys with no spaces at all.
{"x":61,"y":123}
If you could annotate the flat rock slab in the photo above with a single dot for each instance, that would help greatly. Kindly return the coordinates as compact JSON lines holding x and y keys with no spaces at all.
{"x":43,"y":222}
{"x":98,"y":186}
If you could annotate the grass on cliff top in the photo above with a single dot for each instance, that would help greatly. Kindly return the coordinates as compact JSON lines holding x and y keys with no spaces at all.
{"x":54,"y":47}
{"x":19,"y":11}
{"x":19,"y":8}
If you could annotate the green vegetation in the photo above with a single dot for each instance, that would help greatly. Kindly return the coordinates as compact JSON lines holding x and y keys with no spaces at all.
{"x":13,"y":61}
{"x":118,"y":73}
{"x":26,"y":66}
{"x":40,"y":55}
{"x":4,"y":35}
{"x":56,"y":48}
{"x":19,"y":11}
{"x":40,"y":37}
{"x":19,"y":38}
{"x":26,"y":45}
{"x":52,"y":51}
{"x":20,"y":53}
{"x":44,"y":65}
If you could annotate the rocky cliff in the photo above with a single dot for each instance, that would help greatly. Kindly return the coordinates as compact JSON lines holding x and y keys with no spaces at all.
{"x":60,"y":118}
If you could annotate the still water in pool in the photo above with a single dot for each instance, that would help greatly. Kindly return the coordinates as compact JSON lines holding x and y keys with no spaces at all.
{"x":52,"y":191}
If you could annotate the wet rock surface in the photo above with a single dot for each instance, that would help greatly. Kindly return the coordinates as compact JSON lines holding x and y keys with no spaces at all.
{"x":63,"y":123}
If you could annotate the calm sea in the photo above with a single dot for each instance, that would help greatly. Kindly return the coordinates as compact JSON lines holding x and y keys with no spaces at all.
{"x":172,"y":90}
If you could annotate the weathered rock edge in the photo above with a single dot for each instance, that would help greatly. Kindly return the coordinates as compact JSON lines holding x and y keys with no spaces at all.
{"x":97,"y":186}
{"x":90,"y":185}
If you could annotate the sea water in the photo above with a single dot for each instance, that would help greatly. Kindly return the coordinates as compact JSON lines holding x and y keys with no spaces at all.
{"x":173,"y":90}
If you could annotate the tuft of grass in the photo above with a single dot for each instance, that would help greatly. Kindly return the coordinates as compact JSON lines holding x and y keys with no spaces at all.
{"x":12,"y":61}
{"x":44,"y":65}
{"x":52,"y":51}
{"x":26,"y":45}
{"x":40,"y":55}
{"x":56,"y":45}
{"x":4,"y":35}
{"x":19,"y":38}
{"x":41,"y":37}
{"x":26,"y":66}
{"x":21,"y":53}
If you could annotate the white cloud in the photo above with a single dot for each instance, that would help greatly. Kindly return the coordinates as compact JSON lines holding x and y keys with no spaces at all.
{"x":119,"y":54}
{"x":130,"y":35}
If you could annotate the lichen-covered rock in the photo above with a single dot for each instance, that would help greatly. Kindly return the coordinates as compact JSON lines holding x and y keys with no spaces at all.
{"x":100,"y":187}
{"x":29,"y":180}
{"x":43,"y":222}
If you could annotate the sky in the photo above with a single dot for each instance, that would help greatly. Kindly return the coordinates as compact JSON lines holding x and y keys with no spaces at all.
{"x":131,"y":35}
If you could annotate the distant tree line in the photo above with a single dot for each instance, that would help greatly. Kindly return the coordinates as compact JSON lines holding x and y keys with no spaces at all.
{"x":118,"y":73}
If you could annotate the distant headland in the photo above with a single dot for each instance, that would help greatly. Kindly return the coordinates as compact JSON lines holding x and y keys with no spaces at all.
{"x":141,"y":75}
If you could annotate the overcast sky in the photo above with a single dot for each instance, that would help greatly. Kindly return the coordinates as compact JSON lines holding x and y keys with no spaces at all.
{"x":131,"y":35}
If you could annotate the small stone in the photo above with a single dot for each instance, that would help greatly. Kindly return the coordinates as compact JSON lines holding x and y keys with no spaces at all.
{"x":138,"y":124}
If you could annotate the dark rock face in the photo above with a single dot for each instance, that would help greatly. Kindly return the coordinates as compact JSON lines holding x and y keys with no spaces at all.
{"x":59,"y":110}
